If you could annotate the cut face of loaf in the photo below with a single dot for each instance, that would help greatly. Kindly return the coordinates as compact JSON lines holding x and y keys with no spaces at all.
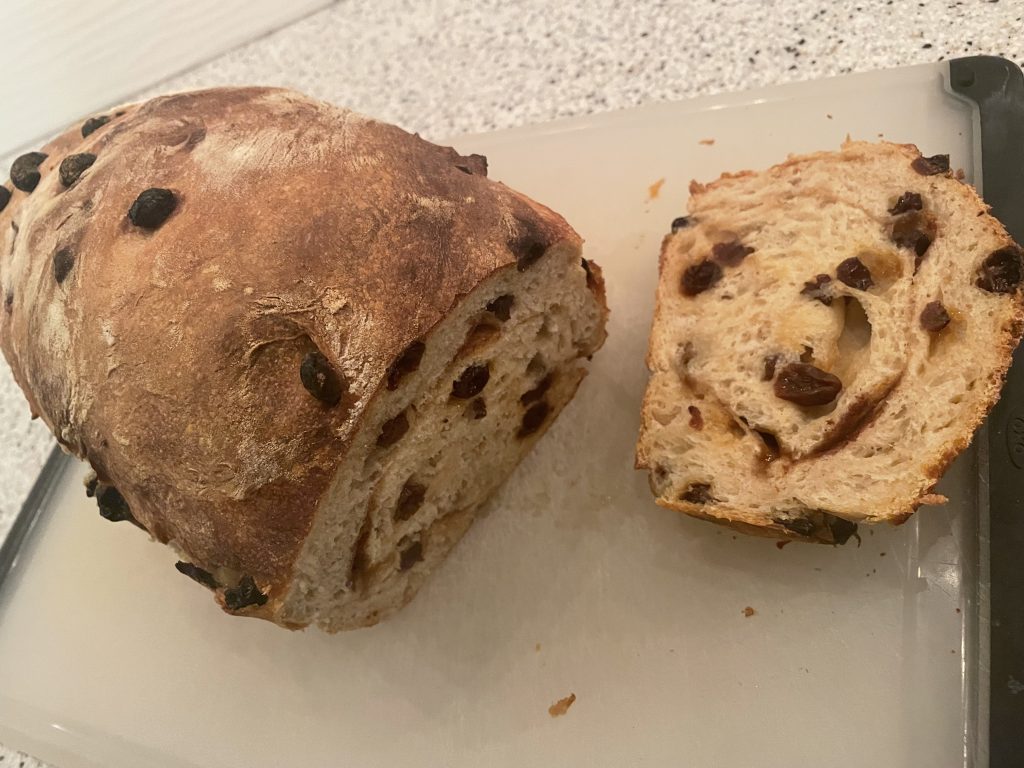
{"x":828,"y":335}
{"x":443,"y":436}
{"x":298,"y":345}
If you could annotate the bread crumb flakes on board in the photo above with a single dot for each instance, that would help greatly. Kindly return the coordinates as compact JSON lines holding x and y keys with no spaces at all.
{"x":748,"y":611}
{"x":707,"y":142}
{"x":537,"y":648}
{"x":561,"y":706}
{"x":655,"y":189}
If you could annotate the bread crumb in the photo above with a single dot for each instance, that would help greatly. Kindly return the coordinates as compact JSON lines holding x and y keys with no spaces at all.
{"x":828,"y":116}
{"x":655,"y":189}
{"x":781,"y":544}
{"x":707,"y":142}
{"x":881,"y":554}
{"x":958,"y":610}
{"x":561,"y":706}
{"x":748,"y":611}
{"x":537,"y":648}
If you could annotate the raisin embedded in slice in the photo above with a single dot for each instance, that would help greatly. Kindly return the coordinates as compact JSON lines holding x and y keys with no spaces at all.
{"x":25,"y":171}
{"x":410,"y":556}
{"x":501,"y":307}
{"x":934,"y":317}
{"x":63,"y":262}
{"x":73,"y":166}
{"x":696,"y":419}
{"x":697,"y":278}
{"x":801,"y":526}
{"x":406,"y":363}
{"x":5,"y":197}
{"x":538,"y":391}
{"x":840,"y":529}
{"x":472,"y":382}
{"x":817,"y":289}
{"x":805,"y":384}
{"x":93,"y":123}
{"x":197,"y":574}
{"x":152,"y":207}
{"x":528,"y":244}
{"x":533,"y":419}
{"x":915,"y":231}
{"x":908,"y":201}
{"x":1000,"y":272}
{"x":393,"y":430}
{"x":112,"y":504}
{"x":244,"y":595}
{"x":770,"y":361}
{"x":410,"y":499}
{"x":697,"y":493}
{"x":730,"y":254}
{"x":477,"y":408}
{"x":930,"y":166}
{"x":681,"y":222}
{"x":320,"y":380}
{"x":853,"y":272}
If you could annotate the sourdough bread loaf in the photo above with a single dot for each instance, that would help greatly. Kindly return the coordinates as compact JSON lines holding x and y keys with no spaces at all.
{"x":828,"y":335}
{"x":300,"y":346}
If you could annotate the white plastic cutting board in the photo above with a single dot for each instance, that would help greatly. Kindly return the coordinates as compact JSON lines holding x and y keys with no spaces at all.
{"x":574,"y":583}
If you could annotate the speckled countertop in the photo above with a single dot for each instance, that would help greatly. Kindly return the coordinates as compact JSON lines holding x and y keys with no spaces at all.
{"x":446,"y":67}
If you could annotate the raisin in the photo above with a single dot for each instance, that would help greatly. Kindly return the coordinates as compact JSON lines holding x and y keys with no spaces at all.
{"x":816,"y":289}
{"x":772,"y":450}
{"x":730,"y":254}
{"x":152,"y":207}
{"x":320,"y":380}
{"x":406,"y":363}
{"x":538,"y":391}
{"x":197,"y":574}
{"x":1000,"y":272}
{"x":681,"y":222}
{"x":501,"y":307}
{"x":25,"y":171}
{"x":533,"y":419}
{"x":112,"y":504}
{"x":244,"y":595}
{"x":410,"y":556}
{"x":93,"y":123}
{"x":697,"y":278}
{"x":802,"y":526}
{"x":472,"y":382}
{"x":908,"y":201}
{"x":63,"y":262}
{"x":5,"y":197}
{"x":934,"y":317}
{"x":853,"y":272}
{"x":464,"y":168}
{"x":410,"y":499}
{"x":915,"y":231}
{"x":477,"y":408}
{"x":90,"y":485}
{"x":696,"y":419}
{"x":393,"y":430}
{"x":697,"y":493}
{"x":528,"y":245}
{"x":770,"y":361}
{"x":840,"y":529}
{"x":73,"y":166}
{"x":930,"y":166}
{"x":804,"y":384}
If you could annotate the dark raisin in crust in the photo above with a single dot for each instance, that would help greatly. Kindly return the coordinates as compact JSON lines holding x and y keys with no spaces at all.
{"x":393,"y":430}
{"x":908,"y":201}
{"x":197,"y":574}
{"x":406,"y":363}
{"x":63,"y":263}
{"x":501,"y":307}
{"x":244,"y":595}
{"x":816,"y":289}
{"x":152,"y":208}
{"x":5,"y":197}
{"x":320,"y":380}
{"x":680,"y":222}
{"x":730,"y":254}
{"x":934,"y":317}
{"x":1000,"y":272}
{"x":853,"y":272}
{"x":697,"y":493}
{"x":93,"y":123}
{"x":533,"y":419}
{"x":25,"y":171}
{"x":73,"y":166}
{"x":930,"y":166}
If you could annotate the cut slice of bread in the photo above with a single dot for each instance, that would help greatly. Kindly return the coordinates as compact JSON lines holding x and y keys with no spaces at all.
{"x":828,"y":335}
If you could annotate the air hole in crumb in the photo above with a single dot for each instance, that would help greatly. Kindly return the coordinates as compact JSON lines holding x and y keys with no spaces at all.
{"x":480,"y":335}
{"x":393,"y":430}
{"x":533,"y":419}
{"x":537,"y":366}
{"x":410,"y":555}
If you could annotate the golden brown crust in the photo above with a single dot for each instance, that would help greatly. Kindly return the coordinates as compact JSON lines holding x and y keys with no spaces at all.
{"x":169,"y":359}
